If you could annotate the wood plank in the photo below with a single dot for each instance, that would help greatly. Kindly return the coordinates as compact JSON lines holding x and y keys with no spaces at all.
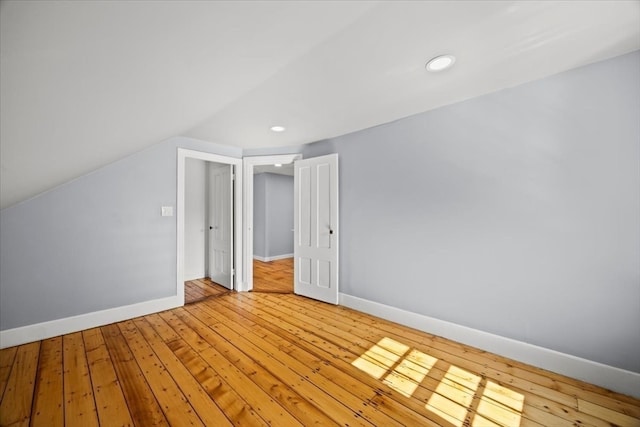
{"x":142,"y":404}
{"x":174,"y":404}
{"x":205,"y":407}
{"x":306,"y":413}
{"x":161,"y":327}
{"x":199,"y":289}
{"x":338,"y":403}
{"x":7,"y":356}
{"x":110,"y":402}
{"x":198,"y":284}
{"x":273,"y":276}
{"x":191,"y":294}
{"x":609,"y":415}
{"x":208,"y":286}
{"x":15,"y":408}
{"x":314,"y":366}
{"x":80,"y":407}
{"x":195,"y":290}
{"x":265,"y":405}
{"x":48,"y":404}
{"x":231,"y":402}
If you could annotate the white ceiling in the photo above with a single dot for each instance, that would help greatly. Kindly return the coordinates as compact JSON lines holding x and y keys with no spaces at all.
{"x":85,"y":83}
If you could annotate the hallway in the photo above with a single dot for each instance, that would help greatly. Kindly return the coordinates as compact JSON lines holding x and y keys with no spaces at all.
{"x":274,"y":276}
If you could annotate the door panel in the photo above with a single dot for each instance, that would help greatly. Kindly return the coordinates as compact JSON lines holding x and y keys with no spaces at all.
{"x":304,"y":270}
{"x":221,"y":224}
{"x":304,"y":227}
{"x":324,"y":273}
{"x":324,"y":205}
{"x":316,"y":228}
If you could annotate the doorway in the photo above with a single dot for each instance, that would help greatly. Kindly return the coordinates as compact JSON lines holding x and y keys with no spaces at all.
{"x":269,"y":196}
{"x":209,"y":232}
{"x":316,"y":237}
{"x":208,"y":229}
{"x":273,"y":228}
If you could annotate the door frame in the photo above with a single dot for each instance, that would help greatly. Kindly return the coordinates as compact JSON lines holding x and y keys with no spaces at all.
{"x":238,"y":237}
{"x":249,"y":163}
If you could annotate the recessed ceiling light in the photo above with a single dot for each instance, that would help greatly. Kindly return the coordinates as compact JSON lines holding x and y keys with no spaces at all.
{"x":278,"y":165}
{"x":278,"y":128}
{"x":440,"y":63}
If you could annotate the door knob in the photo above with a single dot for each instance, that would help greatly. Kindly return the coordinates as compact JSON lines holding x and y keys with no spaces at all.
{"x":330,"y":231}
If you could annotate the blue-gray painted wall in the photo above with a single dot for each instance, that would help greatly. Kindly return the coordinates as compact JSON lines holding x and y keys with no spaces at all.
{"x":95,"y":243}
{"x":516,"y":213}
{"x":259,"y":214}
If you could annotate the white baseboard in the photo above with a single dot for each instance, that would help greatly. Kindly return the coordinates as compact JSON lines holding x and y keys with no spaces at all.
{"x":272,"y":258}
{"x":53,"y":328}
{"x":609,"y":377}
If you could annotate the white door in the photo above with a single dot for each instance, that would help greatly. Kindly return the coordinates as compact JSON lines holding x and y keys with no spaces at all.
{"x":316,"y":228}
{"x":221,"y":224}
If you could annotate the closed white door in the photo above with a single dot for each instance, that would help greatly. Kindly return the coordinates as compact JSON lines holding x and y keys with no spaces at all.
{"x":316,"y":228}
{"x":221,"y":224}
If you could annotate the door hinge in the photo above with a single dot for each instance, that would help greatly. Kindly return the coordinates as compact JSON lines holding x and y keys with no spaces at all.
{"x":233,"y":177}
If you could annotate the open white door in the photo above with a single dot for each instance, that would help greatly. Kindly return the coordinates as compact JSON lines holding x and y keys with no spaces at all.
{"x":316,"y":228}
{"x":221,"y":224}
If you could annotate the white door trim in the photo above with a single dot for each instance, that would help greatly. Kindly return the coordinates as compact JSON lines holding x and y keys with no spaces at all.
{"x":183,"y":154}
{"x":249,"y":163}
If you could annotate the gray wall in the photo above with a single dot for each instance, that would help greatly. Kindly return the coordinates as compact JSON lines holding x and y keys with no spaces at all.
{"x":95,"y":243}
{"x":516,"y":213}
{"x":272,"y":215}
{"x":259,"y":214}
{"x":195,"y":221}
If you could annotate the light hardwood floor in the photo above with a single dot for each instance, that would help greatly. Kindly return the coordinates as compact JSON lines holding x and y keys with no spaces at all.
{"x":273,"y":276}
{"x":199,"y":289}
{"x":283,"y":360}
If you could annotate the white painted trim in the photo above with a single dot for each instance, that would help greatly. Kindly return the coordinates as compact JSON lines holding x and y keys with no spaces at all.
{"x":272,"y":258}
{"x":609,"y":377}
{"x":54,"y":328}
{"x":183,"y":154}
{"x":249,"y":163}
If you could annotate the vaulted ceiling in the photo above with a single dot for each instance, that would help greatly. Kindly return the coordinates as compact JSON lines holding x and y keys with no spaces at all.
{"x":85,"y":83}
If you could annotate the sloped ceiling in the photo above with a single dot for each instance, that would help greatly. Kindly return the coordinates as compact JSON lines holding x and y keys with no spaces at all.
{"x":85,"y":83}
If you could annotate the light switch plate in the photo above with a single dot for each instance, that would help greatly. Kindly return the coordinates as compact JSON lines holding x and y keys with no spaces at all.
{"x":167,"y":211}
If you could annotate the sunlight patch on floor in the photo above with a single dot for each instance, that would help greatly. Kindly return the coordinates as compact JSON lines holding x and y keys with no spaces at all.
{"x":499,"y":404}
{"x":380,"y":357}
{"x":454,"y":395}
{"x":459,"y":397}
{"x":409,"y":373}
